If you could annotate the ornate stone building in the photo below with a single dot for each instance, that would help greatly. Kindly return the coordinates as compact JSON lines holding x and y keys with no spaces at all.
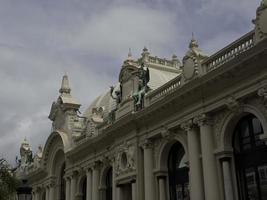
{"x":195,"y":129}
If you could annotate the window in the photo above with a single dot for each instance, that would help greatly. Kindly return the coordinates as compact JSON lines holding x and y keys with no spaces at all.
{"x":109,"y":185}
{"x":250,"y":159}
{"x":178,"y":173}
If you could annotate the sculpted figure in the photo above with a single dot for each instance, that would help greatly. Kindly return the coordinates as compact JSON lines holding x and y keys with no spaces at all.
{"x":117,"y":96}
{"x":144,"y":78}
{"x":26,"y":153}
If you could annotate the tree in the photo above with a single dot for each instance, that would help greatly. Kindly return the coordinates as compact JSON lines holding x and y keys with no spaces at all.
{"x":8,"y":183}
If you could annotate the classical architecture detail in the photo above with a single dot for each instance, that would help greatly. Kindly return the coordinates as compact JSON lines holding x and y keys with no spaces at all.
{"x":166,"y":133}
{"x":125,"y":161}
{"x":163,"y":131}
{"x":233,"y":105}
{"x":262,"y":92}
{"x":188,"y":125}
{"x":203,"y":119}
{"x":192,"y":61}
{"x":260,"y":22}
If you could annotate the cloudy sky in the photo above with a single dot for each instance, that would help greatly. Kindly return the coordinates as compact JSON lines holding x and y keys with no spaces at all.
{"x":40,"y":40}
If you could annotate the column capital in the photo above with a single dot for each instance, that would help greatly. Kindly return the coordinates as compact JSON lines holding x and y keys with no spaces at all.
{"x":96,"y":165}
{"x":147,"y":144}
{"x":203,"y":120}
{"x":187,"y":125}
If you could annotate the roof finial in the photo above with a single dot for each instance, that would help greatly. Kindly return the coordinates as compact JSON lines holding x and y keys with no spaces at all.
{"x":130,"y":55}
{"x":193,"y":43}
{"x":65,"y":88}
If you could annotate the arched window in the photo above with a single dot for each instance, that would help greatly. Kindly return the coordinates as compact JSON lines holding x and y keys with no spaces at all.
{"x":250,"y":159}
{"x":62,"y":183}
{"x":109,"y":185}
{"x":178,"y":173}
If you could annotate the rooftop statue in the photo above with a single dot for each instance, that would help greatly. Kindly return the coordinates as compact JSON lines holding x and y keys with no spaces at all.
{"x":144,"y":77}
{"x":25,"y":153}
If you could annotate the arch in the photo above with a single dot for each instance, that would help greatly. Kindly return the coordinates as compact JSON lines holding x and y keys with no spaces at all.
{"x":165,"y":148}
{"x":106,"y":181}
{"x":178,"y":172}
{"x":103,"y":175}
{"x":55,"y":140}
{"x":81,"y":181}
{"x":250,"y":159}
{"x":231,"y":120}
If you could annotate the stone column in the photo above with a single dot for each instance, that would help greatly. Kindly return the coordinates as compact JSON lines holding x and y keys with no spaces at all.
{"x":89,"y":184}
{"x":95,"y":191}
{"x":51,"y":192}
{"x":227,"y":179}
{"x":67,"y":188}
{"x":148,"y":171}
{"x":133,"y":190}
{"x":162,"y":188}
{"x":46,"y":193}
{"x":33,"y":195}
{"x":73,"y":184}
{"x":195,"y":172}
{"x":119,"y":193}
{"x":211,"y":184}
{"x":113,"y":179}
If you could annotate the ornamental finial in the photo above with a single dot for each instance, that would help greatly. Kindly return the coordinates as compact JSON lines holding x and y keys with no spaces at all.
{"x":65,"y":88}
{"x":130,"y":57}
{"x":193,"y":43}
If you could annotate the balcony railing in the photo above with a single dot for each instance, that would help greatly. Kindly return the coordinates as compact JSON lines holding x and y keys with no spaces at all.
{"x":229,"y":52}
{"x":223,"y":56}
{"x":165,"y":89}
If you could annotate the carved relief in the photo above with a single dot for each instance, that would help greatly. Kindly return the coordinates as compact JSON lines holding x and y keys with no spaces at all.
{"x":260,"y":22}
{"x":262,"y":92}
{"x":233,"y":105}
{"x":125,"y":160}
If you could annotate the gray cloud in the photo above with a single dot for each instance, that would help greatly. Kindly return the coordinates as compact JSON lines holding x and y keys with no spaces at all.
{"x":40,"y":40}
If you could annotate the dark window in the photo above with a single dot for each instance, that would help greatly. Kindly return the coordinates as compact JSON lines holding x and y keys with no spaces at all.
{"x":109,"y":185}
{"x":251,"y":160}
{"x":178,"y":173}
{"x":84,"y":184}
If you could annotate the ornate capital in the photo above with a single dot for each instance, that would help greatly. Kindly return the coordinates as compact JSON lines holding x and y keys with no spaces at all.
{"x":147,"y":144}
{"x":203,"y":120}
{"x":188,"y":125}
{"x":96,"y":165}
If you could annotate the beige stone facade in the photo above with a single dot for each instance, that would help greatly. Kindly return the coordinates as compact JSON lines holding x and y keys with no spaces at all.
{"x":167,"y":130}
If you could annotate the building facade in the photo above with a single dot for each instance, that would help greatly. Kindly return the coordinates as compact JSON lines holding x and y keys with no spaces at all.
{"x":168,"y":130}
